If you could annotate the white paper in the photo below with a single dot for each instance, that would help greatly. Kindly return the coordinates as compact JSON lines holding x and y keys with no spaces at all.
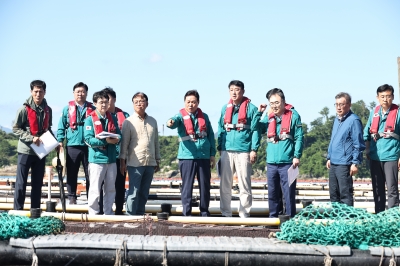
{"x":48,"y":144}
{"x":292,"y":174}
{"x":105,"y":134}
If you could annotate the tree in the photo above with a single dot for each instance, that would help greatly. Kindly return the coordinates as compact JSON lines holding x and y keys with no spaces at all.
{"x":325,"y":113}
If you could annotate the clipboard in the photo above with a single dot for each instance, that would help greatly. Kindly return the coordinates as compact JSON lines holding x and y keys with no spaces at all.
{"x":105,"y":134}
{"x":48,"y":143}
{"x":292,"y":174}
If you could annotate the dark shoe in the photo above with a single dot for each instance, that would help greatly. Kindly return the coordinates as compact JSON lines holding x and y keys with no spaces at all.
{"x":119,"y":213}
{"x":72,"y":201}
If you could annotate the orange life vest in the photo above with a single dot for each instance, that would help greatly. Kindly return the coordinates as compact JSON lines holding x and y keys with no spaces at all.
{"x":241,"y":123}
{"x":285,"y":125}
{"x":120,"y":117}
{"x":98,"y":126}
{"x":389,"y":125}
{"x":187,"y":121}
{"x":72,"y":113}
{"x":34,"y":122}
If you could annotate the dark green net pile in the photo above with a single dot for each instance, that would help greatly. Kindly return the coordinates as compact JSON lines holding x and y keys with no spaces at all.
{"x":24,"y":227}
{"x":338,"y":224}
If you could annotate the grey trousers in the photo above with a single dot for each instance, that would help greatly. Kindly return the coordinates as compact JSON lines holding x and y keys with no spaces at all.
{"x":382,"y":172}
{"x":99,"y":173}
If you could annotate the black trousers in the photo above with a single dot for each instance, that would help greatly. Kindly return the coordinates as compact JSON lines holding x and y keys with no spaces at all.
{"x":341,"y":184}
{"x":26,"y":162}
{"x":189,"y":169}
{"x":119,"y":192}
{"x":381,"y":173}
{"x":75,"y":156}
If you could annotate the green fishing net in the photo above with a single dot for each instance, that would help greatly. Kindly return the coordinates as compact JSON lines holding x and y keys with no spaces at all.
{"x":24,"y":227}
{"x":338,"y":224}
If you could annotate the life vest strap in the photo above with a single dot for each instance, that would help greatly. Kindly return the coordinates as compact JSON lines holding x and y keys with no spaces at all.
{"x":385,"y":135}
{"x":96,"y":147}
{"x":281,"y":137}
{"x":194,"y":137}
{"x":234,"y":126}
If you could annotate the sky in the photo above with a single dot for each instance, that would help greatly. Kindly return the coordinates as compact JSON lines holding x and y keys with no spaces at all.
{"x":312,"y":50}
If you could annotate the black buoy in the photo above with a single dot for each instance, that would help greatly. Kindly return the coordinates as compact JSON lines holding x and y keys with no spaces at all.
{"x":306,"y":203}
{"x":50,"y":206}
{"x":194,"y":203}
{"x":35,"y":213}
{"x":162,"y":215}
{"x":166,"y":207}
{"x":283,"y":218}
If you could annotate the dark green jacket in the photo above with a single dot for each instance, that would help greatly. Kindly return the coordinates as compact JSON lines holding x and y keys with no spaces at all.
{"x":384,"y":149}
{"x":99,"y":150}
{"x":21,"y":125}
{"x":74,"y":137}
{"x":285,"y":150}
{"x":244,"y":140}
{"x":202,"y":148}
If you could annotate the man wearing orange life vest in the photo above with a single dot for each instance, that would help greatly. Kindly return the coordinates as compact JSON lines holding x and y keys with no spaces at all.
{"x":238,"y":142}
{"x":120,"y":178}
{"x":32,"y":120}
{"x":284,"y":149}
{"x":196,"y":152}
{"x":70,"y":129}
{"x":382,"y":140}
{"x":102,"y":154}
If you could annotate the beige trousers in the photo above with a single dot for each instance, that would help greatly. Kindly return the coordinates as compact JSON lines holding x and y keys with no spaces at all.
{"x":238,"y":162}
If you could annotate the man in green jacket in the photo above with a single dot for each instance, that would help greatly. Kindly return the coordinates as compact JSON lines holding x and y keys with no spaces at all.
{"x":70,"y":129}
{"x":382,"y":140}
{"x":196,"y":152}
{"x":238,"y":142}
{"x":102,"y":154}
{"x":120,"y":178}
{"x":284,"y":149}
{"x":32,"y":120}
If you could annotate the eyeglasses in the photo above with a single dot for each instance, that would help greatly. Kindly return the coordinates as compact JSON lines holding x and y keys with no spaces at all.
{"x":274,"y":103}
{"x":139,"y":102}
{"x":385,"y":96}
{"x":339,"y":104}
{"x":102,"y":103}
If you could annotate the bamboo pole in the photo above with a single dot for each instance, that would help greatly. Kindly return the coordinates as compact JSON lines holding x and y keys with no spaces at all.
{"x":258,"y":208}
{"x":180,"y":219}
{"x":86,"y":217}
{"x":226,"y":220}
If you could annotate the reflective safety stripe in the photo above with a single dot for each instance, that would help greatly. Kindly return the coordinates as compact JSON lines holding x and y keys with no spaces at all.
{"x":233,"y":126}
{"x":194,"y":137}
{"x":385,"y":135}
{"x":281,"y":137}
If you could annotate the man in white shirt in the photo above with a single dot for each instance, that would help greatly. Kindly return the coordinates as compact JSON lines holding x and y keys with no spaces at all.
{"x":139,"y":154}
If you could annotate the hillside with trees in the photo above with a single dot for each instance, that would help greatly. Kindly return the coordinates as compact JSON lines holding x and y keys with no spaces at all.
{"x":312,"y":163}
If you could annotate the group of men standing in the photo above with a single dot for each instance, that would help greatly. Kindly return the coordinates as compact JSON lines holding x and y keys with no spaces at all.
{"x":381,"y":141}
{"x":133,"y":147}
{"x":79,"y":130}
{"x":239,"y":134}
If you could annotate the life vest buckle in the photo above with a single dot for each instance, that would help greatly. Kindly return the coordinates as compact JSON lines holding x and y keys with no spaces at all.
{"x":376,"y":136}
